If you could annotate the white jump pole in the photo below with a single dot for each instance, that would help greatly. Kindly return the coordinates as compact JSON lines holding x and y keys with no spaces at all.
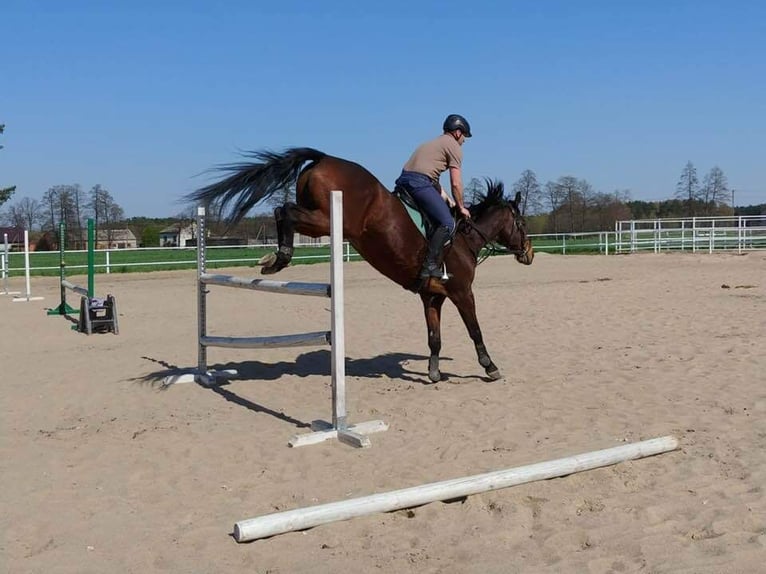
{"x":294,"y":287}
{"x":28,"y":296}
{"x":354,"y":435}
{"x":302,"y":518}
{"x":5,"y":266}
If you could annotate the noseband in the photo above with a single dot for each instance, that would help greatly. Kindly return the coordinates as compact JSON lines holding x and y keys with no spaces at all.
{"x":492,"y":247}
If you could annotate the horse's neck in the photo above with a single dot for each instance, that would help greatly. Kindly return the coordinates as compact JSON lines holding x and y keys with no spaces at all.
{"x":489,"y":226}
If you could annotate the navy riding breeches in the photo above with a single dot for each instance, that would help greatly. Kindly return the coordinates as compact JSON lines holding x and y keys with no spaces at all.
{"x":423,"y":190}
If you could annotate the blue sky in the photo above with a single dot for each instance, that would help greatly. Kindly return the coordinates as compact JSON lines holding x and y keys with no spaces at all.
{"x":142,"y":97}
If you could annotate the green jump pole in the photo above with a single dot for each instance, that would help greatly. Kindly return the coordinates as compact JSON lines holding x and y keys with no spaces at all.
{"x":63,"y":308}
{"x":91,"y":260}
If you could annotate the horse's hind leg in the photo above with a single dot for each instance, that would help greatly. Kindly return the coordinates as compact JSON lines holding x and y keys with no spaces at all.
{"x":432,"y":305}
{"x":290,"y":219}
{"x":466,"y":306}
{"x":277,"y":261}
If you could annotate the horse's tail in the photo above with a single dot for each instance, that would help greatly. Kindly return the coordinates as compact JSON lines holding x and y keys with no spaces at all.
{"x":251,"y":182}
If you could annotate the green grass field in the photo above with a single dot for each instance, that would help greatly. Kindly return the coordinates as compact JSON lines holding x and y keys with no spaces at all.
{"x":159,"y":259}
{"x":146,"y":260}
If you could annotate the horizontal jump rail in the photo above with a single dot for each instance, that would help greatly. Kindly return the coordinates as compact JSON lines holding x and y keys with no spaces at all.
{"x":76,"y":288}
{"x":273,"y":342}
{"x":291,"y":287}
{"x":302,"y":518}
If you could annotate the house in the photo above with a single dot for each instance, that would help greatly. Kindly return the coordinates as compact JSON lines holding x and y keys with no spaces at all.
{"x":300,"y":239}
{"x":177,"y":235}
{"x":15,"y":236}
{"x":115,"y":239}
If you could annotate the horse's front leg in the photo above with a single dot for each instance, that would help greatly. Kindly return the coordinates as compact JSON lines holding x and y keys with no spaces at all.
{"x":291,"y":218}
{"x":466,"y":306}
{"x":432,"y":305}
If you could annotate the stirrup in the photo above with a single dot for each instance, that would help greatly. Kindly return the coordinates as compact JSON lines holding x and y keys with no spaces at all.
{"x":443,"y":275}
{"x":439,"y":273}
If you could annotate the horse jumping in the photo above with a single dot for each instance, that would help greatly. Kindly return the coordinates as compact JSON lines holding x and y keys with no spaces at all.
{"x":377,"y":225}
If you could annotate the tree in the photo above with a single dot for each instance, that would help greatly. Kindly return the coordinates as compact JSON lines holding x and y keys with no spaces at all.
{"x":687,"y":188}
{"x":24,"y":213}
{"x":715,"y":189}
{"x":606,"y":208}
{"x":62,"y":203}
{"x":105,"y":211}
{"x":568,"y":190}
{"x":282,"y":196}
{"x":555,"y":199}
{"x":585,"y":195}
{"x":473,"y":191}
{"x":5,"y":192}
{"x":531,"y":194}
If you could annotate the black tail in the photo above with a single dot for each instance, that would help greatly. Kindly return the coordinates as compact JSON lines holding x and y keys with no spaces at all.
{"x":251,"y":182}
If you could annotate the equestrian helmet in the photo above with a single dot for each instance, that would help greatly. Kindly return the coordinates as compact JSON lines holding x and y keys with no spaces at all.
{"x":457,"y":122}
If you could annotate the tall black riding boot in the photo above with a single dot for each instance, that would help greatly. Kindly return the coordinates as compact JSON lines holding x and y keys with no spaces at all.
{"x":433,"y":261}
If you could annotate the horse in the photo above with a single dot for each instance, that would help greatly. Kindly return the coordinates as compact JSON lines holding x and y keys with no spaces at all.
{"x":377,"y":225}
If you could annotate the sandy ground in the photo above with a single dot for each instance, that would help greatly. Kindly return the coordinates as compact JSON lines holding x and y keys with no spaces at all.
{"x":103,"y":470}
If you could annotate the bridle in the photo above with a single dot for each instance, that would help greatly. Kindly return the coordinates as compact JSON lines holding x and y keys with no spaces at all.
{"x":493,"y":248}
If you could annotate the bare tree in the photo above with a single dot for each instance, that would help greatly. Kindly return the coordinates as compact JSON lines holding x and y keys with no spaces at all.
{"x":105,"y":211}
{"x":715,"y":189}
{"x":585,"y":195}
{"x":98,"y":204}
{"x":62,"y":203}
{"x":24,"y":213}
{"x":687,"y":188}
{"x":568,"y":190}
{"x":474,"y":191}
{"x":282,"y":196}
{"x":531,"y":194}
{"x":114,"y":215}
{"x":555,"y":199}
{"x":50,"y":200}
{"x":606,"y":208}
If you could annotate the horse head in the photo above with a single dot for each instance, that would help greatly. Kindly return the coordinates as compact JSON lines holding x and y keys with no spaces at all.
{"x":509,"y":227}
{"x":518,"y":238}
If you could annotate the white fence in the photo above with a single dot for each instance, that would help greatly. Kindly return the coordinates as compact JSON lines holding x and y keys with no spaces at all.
{"x":709,"y":234}
{"x":695,"y":234}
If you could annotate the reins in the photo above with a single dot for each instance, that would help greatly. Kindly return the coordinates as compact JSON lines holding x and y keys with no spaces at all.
{"x":491,"y":247}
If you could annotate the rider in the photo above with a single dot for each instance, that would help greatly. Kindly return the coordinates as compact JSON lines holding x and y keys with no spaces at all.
{"x":420,"y":177}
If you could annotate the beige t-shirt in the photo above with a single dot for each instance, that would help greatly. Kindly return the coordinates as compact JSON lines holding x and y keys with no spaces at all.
{"x":435,"y":157}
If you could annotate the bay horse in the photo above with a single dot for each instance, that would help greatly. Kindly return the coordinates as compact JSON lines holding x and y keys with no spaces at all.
{"x":377,"y":225}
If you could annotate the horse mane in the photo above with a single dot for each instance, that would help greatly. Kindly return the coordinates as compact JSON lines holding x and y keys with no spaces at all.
{"x":494,"y":197}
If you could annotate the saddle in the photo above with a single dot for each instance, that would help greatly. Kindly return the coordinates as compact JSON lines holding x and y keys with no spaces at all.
{"x":425,"y":225}
{"x":420,"y":218}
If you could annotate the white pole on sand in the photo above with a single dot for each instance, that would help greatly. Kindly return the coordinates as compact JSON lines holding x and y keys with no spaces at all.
{"x":356,"y":434}
{"x":302,"y":518}
{"x":4,"y":266}
{"x":28,"y":295}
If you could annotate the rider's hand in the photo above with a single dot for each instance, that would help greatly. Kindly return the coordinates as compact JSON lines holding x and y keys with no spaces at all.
{"x":448,"y":199}
{"x":465,"y":212}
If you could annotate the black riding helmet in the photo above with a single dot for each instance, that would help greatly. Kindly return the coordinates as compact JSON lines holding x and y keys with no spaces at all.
{"x":457,"y":122}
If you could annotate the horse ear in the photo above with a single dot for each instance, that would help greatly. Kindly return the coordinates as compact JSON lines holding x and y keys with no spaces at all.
{"x":517,"y":199}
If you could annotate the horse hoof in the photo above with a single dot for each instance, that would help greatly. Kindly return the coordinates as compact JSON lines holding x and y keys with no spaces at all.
{"x":494,"y":374}
{"x":268,"y":260}
{"x":434,"y":376}
{"x":273,"y":262}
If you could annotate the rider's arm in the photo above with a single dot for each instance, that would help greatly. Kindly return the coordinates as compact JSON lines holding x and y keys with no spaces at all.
{"x":447,"y":199}
{"x":456,"y":181}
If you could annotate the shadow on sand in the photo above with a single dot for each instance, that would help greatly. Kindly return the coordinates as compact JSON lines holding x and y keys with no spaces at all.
{"x":392,"y":366}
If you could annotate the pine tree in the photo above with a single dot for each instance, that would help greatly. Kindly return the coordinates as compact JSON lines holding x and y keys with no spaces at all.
{"x":5,"y":192}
